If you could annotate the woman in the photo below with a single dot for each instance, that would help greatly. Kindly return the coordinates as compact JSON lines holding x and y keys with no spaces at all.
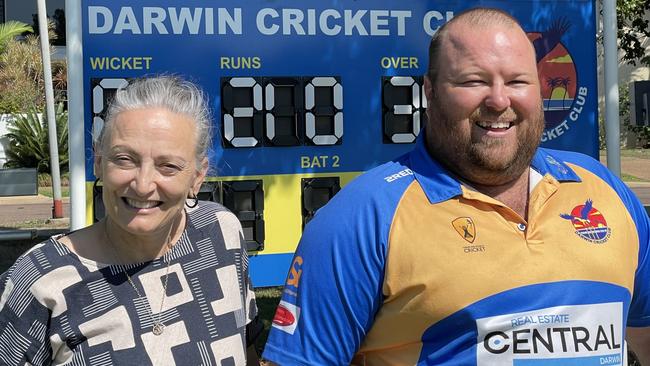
{"x":163,"y":279}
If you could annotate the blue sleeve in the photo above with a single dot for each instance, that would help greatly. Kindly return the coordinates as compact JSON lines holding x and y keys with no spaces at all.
{"x":639,"y":312}
{"x":334,"y":286}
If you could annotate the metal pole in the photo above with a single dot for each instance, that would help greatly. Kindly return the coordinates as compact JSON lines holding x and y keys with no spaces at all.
{"x":612,"y":123}
{"x":75,"y":115}
{"x":57,"y":210}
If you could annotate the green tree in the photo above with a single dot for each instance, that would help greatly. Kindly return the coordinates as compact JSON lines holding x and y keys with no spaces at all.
{"x":56,"y":27}
{"x":21,"y":75}
{"x":633,"y":30}
{"x":9,"y":30}
{"x":28,"y":141}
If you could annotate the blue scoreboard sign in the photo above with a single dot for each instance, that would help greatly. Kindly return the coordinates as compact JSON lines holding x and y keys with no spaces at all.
{"x":308,"y":94}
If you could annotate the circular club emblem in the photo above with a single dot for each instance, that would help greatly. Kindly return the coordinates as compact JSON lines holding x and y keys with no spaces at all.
{"x":589,"y":223}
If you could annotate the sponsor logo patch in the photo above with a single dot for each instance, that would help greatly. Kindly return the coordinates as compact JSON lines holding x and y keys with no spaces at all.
{"x":564,"y":335}
{"x":286,"y":317}
{"x":589,"y":223}
{"x":295,"y":272}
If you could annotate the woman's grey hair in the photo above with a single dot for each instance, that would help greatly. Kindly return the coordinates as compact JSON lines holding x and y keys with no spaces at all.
{"x":166,"y":91}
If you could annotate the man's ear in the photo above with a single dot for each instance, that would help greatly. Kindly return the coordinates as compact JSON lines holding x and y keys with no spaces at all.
{"x":428,"y":88}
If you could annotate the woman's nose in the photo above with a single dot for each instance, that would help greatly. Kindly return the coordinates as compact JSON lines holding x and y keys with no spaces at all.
{"x":144,"y":181}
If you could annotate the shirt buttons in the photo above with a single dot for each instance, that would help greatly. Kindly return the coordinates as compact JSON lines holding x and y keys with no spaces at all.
{"x":521,"y":227}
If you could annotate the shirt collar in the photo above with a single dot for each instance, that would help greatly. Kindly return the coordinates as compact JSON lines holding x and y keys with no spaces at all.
{"x":440,"y":185}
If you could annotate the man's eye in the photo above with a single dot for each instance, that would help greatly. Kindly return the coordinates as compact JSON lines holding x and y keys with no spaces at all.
{"x":473,"y":82}
{"x":518,"y":82}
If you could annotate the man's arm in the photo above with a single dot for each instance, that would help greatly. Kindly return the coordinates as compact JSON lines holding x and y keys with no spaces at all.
{"x":639,"y":341}
{"x":334,"y":286}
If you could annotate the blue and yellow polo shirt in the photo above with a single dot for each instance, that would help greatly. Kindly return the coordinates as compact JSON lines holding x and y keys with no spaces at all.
{"x":407,"y":265}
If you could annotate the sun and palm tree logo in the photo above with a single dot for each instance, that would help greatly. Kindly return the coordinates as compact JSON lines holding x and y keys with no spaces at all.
{"x":556,"y":71}
{"x":556,"y":84}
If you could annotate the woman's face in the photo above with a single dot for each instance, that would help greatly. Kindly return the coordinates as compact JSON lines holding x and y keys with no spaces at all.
{"x":148,"y":167}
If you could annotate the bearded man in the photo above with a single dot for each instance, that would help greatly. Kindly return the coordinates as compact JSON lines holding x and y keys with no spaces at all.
{"x":478,"y":247}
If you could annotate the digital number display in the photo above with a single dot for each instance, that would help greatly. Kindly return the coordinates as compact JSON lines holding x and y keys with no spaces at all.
{"x":403,"y":108}
{"x":103,"y":91}
{"x":281,"y":111}
{"x":306,"y":95}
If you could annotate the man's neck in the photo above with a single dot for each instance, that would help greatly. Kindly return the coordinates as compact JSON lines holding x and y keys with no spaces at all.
{"x":513,"y":194}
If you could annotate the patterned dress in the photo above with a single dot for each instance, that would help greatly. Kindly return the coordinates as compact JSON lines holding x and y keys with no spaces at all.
{"x":58,"y":308}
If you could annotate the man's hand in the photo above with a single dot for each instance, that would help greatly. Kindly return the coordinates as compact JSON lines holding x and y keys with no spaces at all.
{"x":639,"y":341}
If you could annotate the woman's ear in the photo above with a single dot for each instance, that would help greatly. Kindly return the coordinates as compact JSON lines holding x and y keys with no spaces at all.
{"x":97,"y":166}
{"x":200,"y":175}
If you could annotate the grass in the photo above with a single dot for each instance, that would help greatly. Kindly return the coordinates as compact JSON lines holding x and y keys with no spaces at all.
{"x":47,"y":191}
{"x":39,"y":224}
{"x":633,"y":153}
{"x":630,"y":178}
{"x":267,"y":299}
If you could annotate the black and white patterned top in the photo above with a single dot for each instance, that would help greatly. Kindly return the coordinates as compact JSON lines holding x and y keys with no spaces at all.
{"x":58,"y":308}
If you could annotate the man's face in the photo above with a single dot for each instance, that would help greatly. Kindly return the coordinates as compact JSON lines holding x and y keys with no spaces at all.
{"x":485,"y":108}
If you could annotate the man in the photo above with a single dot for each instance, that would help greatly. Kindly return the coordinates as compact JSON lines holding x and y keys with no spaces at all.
{"x":477,"y":247}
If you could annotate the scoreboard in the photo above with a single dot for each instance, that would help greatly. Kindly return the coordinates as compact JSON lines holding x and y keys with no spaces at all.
{"x":306,"y":95}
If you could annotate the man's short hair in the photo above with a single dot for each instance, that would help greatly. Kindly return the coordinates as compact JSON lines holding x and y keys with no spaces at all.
{"x":476,"y":17}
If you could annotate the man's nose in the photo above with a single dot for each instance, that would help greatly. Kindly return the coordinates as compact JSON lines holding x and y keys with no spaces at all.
{"x":498,"y":98}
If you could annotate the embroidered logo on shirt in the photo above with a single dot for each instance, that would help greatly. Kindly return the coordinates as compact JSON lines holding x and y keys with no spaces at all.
{"x":560,"y":167}
{"x":589,"y":223}
{"x":465,"y":228}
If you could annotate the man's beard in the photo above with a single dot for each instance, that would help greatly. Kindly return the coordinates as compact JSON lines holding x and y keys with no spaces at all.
{"x":486,"y":161}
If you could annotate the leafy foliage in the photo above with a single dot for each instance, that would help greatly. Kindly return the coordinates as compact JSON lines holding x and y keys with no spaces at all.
{"x":56,"y":27}
{"x":641,"y":133}
{"x":21,"y":76}
{"x":28,"y":141}
{"x":633,"y":30}
{"x":9,"y":30}
{"x":21,"y":80}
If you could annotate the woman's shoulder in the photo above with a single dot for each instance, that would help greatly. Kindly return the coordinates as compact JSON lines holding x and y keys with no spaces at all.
{"x":32,"y":255}
{"x":42,"y":261}
{"x":217,"y":222}
{"x":212,"y":212}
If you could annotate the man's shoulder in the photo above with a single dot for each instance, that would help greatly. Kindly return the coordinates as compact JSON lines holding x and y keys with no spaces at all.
{"x":572,"y":157}
{"x":381,"y":182}
{"x":558,"y":158}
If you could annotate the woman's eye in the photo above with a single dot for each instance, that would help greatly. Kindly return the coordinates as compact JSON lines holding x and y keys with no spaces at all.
{"x":122,"y":160}
{"x":170,"y":169}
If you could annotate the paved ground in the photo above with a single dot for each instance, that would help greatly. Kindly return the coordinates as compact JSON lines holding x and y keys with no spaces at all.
{"x":39,"y":208}
{"x":20,"y":209}
{"x":639,"y":168}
